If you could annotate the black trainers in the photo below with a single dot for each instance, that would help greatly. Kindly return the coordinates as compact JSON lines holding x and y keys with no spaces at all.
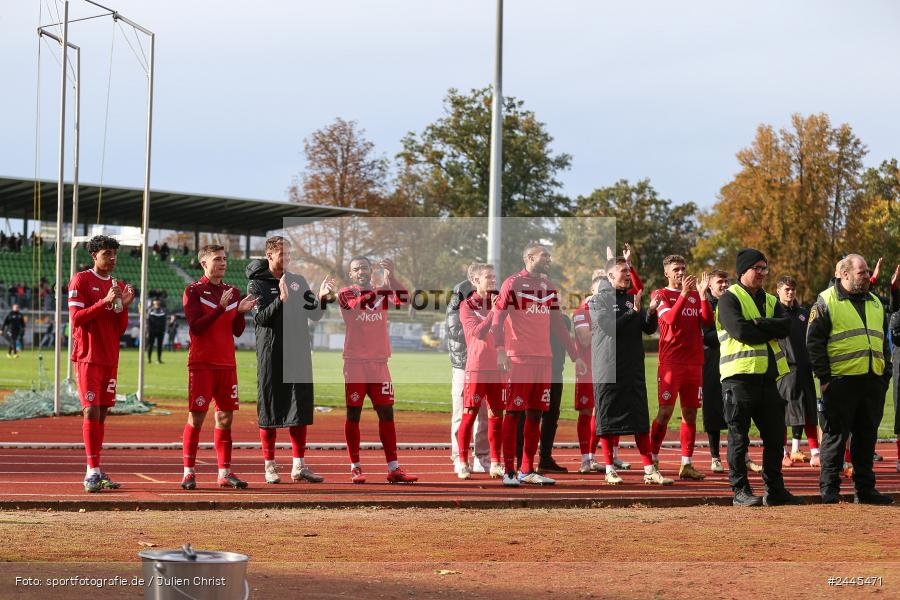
{"x":784,"y":498}
{"x":550,"y":466}
{"x":831,"y":498}
{"x":745,"y":498}
{"x":872,"y":497}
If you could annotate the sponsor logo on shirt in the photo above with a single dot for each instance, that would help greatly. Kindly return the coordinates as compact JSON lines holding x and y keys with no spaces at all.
{"x":692,"y":300}
{"x":802,"y":317}
{"x":370,"y":317}
{"x":537,"y":309}
{"x":295,"y":286}
{"x":690,"y":312}
{"x":96,"y":289}
{"x":73,"y":293}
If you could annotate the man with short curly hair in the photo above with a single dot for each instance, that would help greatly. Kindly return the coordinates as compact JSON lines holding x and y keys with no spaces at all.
{"x":98,"y":312}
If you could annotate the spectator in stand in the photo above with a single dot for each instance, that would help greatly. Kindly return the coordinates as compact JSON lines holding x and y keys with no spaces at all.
{"x":164,"y":252}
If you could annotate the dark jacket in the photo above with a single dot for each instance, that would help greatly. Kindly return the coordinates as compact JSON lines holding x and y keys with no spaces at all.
{"x":456,"y":339}
{"x":283,"y":357}
{"x":731,"y":317}
{"x":797,"y":387}
{"x":820,"y":330}
{"x":14,"y":323}
{"x":711,"y":353}
{"x":156,"y":320}
{"x":558,"y":353}
{"x":617,"y":350}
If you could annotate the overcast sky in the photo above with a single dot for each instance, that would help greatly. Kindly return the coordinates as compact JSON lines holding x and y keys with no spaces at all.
{"x":665,"y":90}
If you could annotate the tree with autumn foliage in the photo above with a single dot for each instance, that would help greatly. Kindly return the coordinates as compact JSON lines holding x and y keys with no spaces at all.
{"x":801,"y":197}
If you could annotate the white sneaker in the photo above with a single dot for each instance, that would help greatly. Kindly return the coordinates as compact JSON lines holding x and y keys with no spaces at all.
{"x":598,"y":468}
{"x":716,"y":466}
{"x":497,"y":471}
{"x":463,"y":472}
{"x":585,"y":467}
{"x":272,"y":474}
{"x":481,"y":465}
{"x":534,"y":478}
{"x":510,"y":480}
{"x":612,"y":478}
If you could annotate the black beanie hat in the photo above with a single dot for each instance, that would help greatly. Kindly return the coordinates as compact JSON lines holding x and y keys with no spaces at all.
{"x":746,"y":258}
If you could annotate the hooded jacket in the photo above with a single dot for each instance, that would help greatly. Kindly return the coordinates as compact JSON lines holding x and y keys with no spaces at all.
{"x":283,"y":355}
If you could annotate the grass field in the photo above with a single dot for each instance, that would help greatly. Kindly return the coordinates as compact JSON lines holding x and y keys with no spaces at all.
{"x":422,"y":380}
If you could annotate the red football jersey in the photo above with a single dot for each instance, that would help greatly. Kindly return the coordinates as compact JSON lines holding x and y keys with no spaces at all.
{"x":581,"y":319}
{"x":476,"y":319}
{"x":96,"y":327}
{"x":525,"y":315}
{"x":212,"y":328}
{"x":680,"y":334}
{"x":365,"y":314}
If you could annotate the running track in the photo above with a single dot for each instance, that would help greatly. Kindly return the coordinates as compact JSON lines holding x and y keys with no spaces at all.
{"x":41,"y":466}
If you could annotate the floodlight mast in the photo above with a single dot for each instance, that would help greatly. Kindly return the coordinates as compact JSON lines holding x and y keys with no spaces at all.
{"x":145,"y":216}
{"x":57,"y":324}
{"x":495,"y":194}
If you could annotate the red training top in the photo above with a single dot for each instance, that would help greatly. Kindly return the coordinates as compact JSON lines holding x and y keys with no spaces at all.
{"x":212,"y":327}
{"x":680,"y":320}
{"x":96,"y":327}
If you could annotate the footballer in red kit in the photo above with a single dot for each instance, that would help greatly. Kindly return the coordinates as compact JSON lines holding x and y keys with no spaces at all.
{"x":98,"y":311}
{"x":214,"y":312}
{"x":484,"y":382}
{"x":525,"y":315}
{"x":683,"y":309}
{"x":367,"y":348}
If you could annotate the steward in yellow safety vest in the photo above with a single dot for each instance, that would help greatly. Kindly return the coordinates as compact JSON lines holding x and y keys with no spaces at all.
{"x":848,"y":347}
{"x":749,"y":323}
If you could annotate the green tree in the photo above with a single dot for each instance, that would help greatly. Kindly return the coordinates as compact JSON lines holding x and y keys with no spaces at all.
{"x":451,"y":160}
{"x":653,"y":225}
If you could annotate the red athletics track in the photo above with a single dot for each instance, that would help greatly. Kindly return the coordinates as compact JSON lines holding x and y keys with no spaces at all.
{"x":50,"y":477}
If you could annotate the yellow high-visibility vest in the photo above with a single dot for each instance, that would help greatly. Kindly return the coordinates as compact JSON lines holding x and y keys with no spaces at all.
{"x":852,"y":343}
{"x":738,"y":358}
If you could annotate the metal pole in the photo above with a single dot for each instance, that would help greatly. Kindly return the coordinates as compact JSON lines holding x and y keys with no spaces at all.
{"x":146,"y":216}
{"x":495,"y":209}
{"x":60,"y":199}
{"x":74,"y":195}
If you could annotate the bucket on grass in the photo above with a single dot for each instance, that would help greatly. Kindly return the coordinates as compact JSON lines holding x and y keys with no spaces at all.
{"x":188,"y":574}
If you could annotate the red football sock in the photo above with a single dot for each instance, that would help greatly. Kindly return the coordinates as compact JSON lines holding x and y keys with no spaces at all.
{"x":532,"y":437}
{"x":190,"y":439}
{"x":222,"y":443}
{"x":388,"y":434}
{"x":510,"y":425}
{"x":595,"y":439}
{"x":606,"y":443}
{"x":657,"y":435}
{"x":351,"y":434}
{"x":643,"y":443}
{"x":688,"y":437}
{"x":583,"y":427}
{"x":268,"y":435}
{"x":615,"y":441}
{"x":298,"y":440}
{"x":464,"y":435}
{"x":812,"y":436}
{"x":91,"y":448}
{"x":847,"y":453}
{"x":495,"y":437}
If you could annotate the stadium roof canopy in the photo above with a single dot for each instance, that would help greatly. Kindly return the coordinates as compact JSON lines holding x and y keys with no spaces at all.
{"x":179,"y":211}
